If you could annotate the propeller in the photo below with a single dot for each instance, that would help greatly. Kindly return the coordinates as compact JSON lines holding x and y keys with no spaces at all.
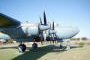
{"x":52,"y":31}
{"x":45,"y":20}
{"x":53,"y":26}
{"x":41,"y":21}
{"x":53,"y":34}
{"x":42,"y":27}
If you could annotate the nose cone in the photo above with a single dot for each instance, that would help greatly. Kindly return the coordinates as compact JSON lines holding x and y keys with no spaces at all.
{"x":66,"y":32}
{"x":74,"y":31}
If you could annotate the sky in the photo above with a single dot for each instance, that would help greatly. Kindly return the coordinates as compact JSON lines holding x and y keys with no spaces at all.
{"x":64,"y":12}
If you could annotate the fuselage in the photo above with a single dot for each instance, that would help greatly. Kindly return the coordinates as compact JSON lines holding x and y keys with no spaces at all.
{"x":31,"y":29}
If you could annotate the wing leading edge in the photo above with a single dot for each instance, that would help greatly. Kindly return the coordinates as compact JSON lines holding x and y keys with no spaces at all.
{"x":6,"y":21}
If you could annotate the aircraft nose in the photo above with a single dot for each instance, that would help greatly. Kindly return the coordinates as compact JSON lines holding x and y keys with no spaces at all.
{"x":66,"y":32}
{"x":75,"y":31}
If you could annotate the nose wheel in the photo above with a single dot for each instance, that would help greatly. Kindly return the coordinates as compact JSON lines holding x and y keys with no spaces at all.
{"x":68,"y":45}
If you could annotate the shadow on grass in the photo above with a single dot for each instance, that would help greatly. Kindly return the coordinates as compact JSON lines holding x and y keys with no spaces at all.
{"x":35,"y":54}
{"x":14,"y":47}
{"x":72,"y":47}
{"x":11,"y":47}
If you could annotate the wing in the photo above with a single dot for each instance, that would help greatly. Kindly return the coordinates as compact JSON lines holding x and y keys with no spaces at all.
{"x":6,"y":21}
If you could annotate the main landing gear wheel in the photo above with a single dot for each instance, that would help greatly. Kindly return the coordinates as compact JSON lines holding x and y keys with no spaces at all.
{"x":34,"y":45}
{"x":22,"y":47}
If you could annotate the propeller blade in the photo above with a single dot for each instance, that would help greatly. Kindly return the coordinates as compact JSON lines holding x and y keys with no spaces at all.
{"x":50,"y":26}
{"x":40,"y":21}
{"x":45,"y":20}
{"x":53,"y":26}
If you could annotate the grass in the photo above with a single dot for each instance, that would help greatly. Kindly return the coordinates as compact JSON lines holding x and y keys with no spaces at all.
{"x":37,"y":53}
{"x":8,"y":54}
{"x":46,"y":53}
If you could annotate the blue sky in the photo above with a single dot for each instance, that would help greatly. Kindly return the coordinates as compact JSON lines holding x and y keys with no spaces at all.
{"x":63,"y":12}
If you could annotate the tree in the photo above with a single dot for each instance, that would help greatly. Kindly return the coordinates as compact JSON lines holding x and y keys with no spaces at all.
{"x":84,"y":38}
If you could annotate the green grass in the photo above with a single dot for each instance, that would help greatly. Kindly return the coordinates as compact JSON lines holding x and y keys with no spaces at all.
{"x":46,"y":53}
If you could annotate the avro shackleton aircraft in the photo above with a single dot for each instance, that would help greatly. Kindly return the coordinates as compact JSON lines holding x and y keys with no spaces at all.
{"x":31,"y":32}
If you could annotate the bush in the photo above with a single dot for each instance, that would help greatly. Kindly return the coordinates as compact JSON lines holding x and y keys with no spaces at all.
{"x":81,"y":44}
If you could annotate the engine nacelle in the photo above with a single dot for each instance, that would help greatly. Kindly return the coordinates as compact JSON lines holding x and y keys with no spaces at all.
{"x":30,"y":29}
{"x":43,"y":27}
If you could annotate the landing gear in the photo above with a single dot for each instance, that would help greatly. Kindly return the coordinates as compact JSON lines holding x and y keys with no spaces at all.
{"x":34,"y":45}
{"x":61,"y":46}
{"x":68,"y":45}
{"x":22,"y":48}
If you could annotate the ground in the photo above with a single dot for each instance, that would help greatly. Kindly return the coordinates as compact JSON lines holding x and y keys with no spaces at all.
{"x":45,"y":52}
